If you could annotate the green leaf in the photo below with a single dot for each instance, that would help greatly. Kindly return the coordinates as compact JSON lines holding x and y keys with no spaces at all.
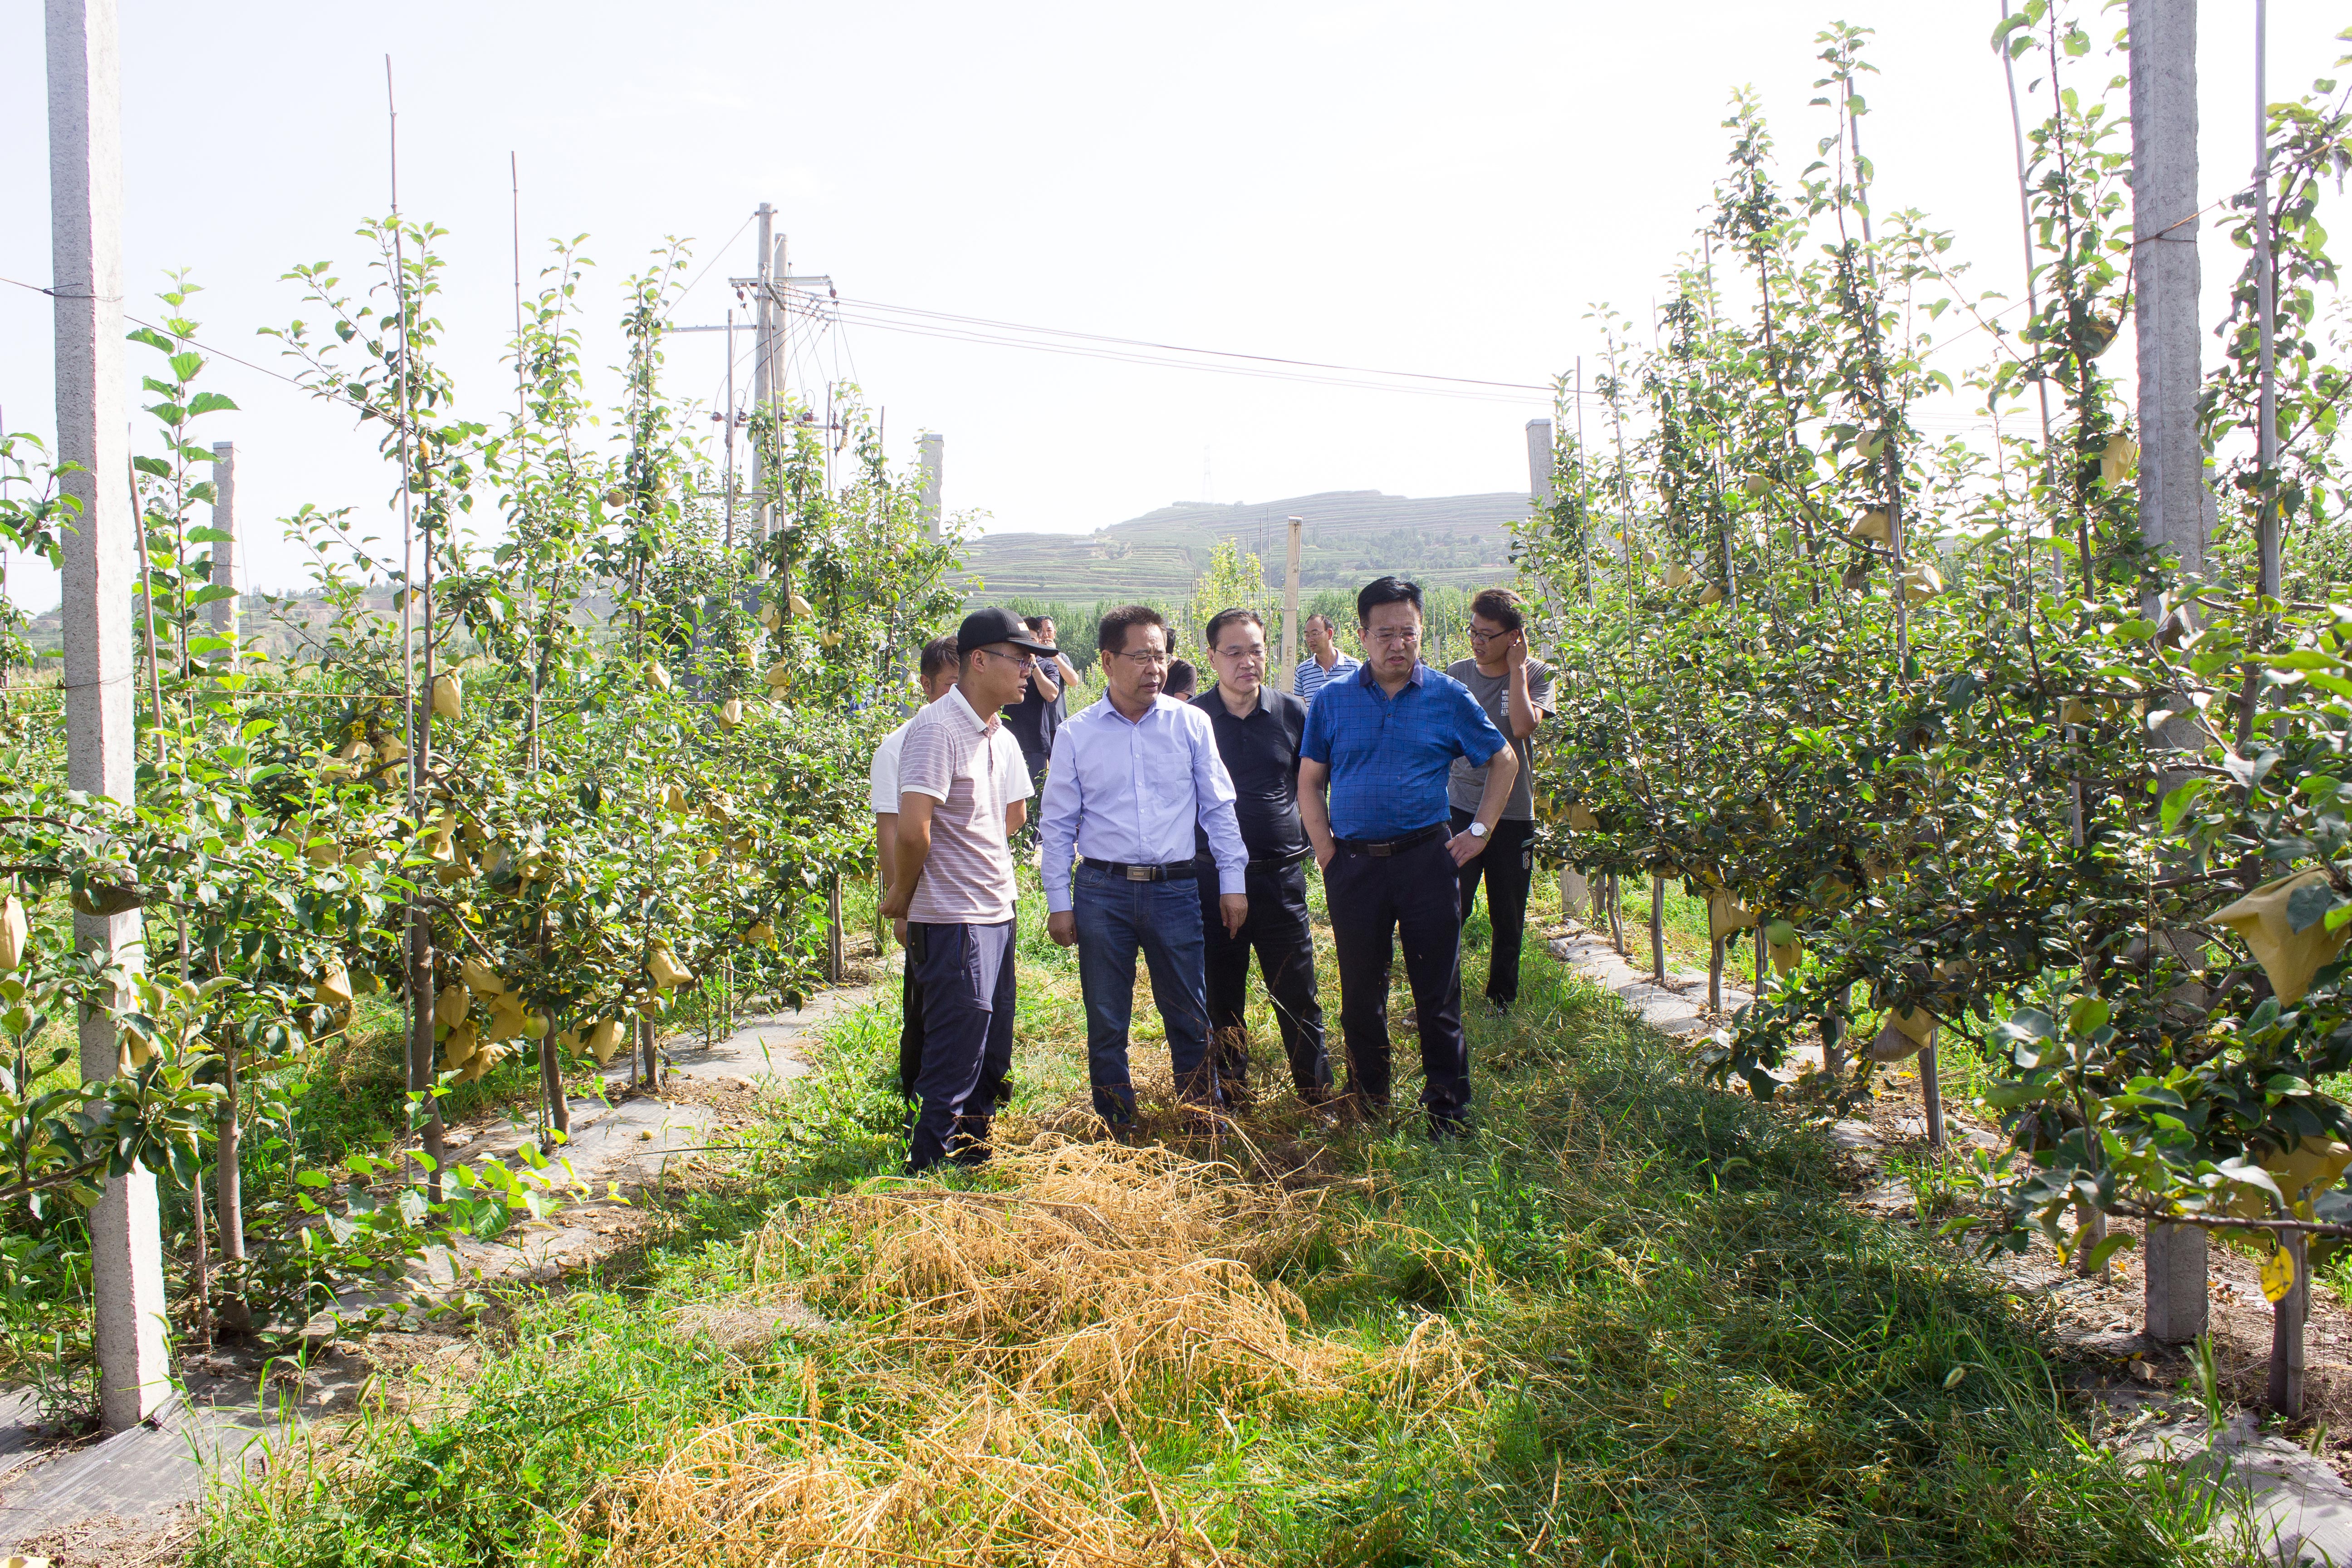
{"x":2115,"y":1242}
{"x":2309,"y":904}
{"x":209,"y":403}
{"x":2177,"y":802}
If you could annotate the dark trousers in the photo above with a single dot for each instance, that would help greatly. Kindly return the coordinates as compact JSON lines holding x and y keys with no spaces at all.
{"x":910,"y":1031}
{"x":1376,"y":902}
{"x":1508,"y":866}
{"x":1278,"y":932}
{"x":1116,"y":918}
{"x":965,"y":975}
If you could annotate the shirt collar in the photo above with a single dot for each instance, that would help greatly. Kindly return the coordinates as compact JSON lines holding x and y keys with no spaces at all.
{"x":955,"y":695}
{"x":1160,"y":703}
{"x":1366,"y":676}
{"x":1212,"y":701}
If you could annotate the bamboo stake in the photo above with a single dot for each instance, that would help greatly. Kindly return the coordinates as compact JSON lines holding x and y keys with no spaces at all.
{"x":416,"y":1003}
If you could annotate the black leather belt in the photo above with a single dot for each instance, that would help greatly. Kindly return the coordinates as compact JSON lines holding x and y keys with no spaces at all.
{"x":1384,"y":847}
{"x":1281,"y":862}
{"x":1182,"y":871}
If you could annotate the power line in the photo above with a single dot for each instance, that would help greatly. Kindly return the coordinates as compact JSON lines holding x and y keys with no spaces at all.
{"x":983,"y":321}
{"x":706,"y":266}
{"x":1471,"y":392}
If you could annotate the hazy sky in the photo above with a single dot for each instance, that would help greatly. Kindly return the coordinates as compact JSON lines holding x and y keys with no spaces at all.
{"x":1439,"y":189}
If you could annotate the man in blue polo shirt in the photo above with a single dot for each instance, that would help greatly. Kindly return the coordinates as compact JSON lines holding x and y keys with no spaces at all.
{"x":1384,"y":741}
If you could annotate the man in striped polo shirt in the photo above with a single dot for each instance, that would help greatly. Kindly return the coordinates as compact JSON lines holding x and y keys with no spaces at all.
{"x":1324,"y":662}
{"x":952,"y":891}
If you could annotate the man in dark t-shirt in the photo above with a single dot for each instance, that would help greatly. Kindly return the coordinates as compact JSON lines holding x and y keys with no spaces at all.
{"x":1044,"y":703}
{"x":1515,"y":690}
{"x":1258,"y":732}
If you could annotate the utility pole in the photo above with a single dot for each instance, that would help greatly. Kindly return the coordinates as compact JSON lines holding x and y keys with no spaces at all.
{"x":762,"y":358}
{"x":224,"y":611}
{"x":771,"y":287}
{"x":780,"y":333}
{"x":1290,"y":609}
{"x":2172,"y":495}
{"x":934,"y":449}
{"x":100,"y":572}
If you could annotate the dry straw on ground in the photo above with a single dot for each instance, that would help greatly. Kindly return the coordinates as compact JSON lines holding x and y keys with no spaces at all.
{"x":1102,"y":1273}
{"x":999,"y":1480}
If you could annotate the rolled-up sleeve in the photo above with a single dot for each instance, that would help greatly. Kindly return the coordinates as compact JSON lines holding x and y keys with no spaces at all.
{"x":1212,"y":792}
{"x":1057,"y":822}
{"x":1473,"y":731}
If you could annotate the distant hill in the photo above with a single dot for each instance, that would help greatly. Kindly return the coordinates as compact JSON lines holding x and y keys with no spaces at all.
{"x":1349,"y":537}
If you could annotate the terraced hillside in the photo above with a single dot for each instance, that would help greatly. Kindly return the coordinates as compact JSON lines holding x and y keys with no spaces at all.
{"x":1349,"y":535}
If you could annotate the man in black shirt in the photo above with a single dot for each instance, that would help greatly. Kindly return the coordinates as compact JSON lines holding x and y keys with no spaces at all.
{"x":1258,"y":731}
{"x":1044,"y":704}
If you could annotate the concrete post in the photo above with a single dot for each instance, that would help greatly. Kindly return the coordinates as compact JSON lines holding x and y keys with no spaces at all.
{"x":224,"y":611}
{"x":99,"y":573}
{"x":2174,"y":508}
{"x":1290,"y":627}
{"x":934,"y":450}
{"x":1539,"y":471}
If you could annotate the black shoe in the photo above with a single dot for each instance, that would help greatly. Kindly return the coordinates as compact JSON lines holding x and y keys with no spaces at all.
{"x":1444,"y":1128}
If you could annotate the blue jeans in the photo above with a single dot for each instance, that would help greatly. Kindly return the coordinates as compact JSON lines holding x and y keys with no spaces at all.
{"x":1116,"y":919}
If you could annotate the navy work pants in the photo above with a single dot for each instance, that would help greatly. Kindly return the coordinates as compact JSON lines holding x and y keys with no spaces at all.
{"x":965,"y":975}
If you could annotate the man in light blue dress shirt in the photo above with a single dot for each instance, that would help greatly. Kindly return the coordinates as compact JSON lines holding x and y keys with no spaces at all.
{"x":1131,"y":776}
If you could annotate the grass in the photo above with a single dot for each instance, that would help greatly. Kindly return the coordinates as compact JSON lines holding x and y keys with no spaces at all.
{"x":1633,"y":1322}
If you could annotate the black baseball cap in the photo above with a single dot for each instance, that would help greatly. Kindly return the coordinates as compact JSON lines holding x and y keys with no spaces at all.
{"x":994,"y":624}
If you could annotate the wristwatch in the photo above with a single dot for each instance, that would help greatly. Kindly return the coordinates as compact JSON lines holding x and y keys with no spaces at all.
{"x":1477,"y":830}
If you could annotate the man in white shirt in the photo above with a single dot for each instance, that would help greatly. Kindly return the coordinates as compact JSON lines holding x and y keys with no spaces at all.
{"x":952,"y":886}
{"x":937,"y":673}
{"x":1132,"y":777}
{"x":1324,"y":662}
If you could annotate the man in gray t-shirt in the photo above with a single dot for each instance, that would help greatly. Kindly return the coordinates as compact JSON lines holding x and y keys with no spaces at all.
{"x":1515,"y":691}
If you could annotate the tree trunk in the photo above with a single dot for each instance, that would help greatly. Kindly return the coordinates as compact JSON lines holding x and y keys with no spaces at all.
{"x":420,"y":1043}
{"x":551,"y":1082}
{"x":228,"y":1178}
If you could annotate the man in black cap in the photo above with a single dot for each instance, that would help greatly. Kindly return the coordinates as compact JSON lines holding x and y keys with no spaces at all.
{"x":952,"y":891}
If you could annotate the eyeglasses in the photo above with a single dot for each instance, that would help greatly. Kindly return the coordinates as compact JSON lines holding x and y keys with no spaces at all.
{"x":1148,"y":660}
{"x":1241,"y":655}
{"x":1388,"y":637}
{"x":1477,"y":636}
{"x":1025,"y":660}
